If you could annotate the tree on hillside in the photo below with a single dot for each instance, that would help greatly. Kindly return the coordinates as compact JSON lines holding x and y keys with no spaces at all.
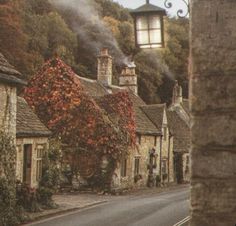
{"x":33,"y":31}
{"x":13,"y":41}
{"x":176,"y":55}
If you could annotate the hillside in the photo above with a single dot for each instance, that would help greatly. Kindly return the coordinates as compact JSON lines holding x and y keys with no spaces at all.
{"x":33,"y":31}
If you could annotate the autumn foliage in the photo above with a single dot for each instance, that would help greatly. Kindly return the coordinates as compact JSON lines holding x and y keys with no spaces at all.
{"x":105,"y":126}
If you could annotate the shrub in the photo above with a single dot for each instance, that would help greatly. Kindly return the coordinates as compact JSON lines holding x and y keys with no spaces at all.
{"x":27,"y":197}
{"x":137,"y":178}
{"x":44,"y":196}
{"x":8,"y":215}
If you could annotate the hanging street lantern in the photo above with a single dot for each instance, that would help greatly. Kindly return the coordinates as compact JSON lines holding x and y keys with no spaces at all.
{"x":149,"y":26}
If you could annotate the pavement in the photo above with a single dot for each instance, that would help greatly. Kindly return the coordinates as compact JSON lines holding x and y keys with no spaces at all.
{"x":151,"y":207}
{"x":70,"y":202}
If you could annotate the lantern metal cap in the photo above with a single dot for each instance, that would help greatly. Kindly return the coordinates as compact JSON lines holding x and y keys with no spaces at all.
{"x":148,"y":8}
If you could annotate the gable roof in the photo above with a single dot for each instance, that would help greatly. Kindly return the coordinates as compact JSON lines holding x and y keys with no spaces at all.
{"x":155,"y":113}
{"x":143,"y":124}
{"x":148,"y":8}
{"x":180,"y":131}
{"x":27,"y":122}
{"x":93,"y":87}
{"x":8,"y":74}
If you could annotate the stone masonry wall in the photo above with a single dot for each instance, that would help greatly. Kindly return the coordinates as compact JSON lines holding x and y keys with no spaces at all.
{"x":213,"y":107}
{"x":8,"y":109}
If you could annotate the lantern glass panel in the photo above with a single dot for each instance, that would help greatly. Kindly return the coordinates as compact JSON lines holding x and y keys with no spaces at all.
{"x":142,"y":23}
{"x":142,"y":37}
{"x":154,"y":22}
{"x":155,"y":36}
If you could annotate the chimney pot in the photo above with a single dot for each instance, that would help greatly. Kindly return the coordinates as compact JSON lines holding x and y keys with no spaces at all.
{"x":128,"y":78}
{"x":177,"y":96}
{"x":104,"y":52}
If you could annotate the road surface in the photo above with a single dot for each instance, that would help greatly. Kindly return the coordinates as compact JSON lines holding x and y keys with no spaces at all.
{"x":163,"y":209}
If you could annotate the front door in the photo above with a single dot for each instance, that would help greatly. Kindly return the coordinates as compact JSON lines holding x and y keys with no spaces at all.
{"x":27,"y":164}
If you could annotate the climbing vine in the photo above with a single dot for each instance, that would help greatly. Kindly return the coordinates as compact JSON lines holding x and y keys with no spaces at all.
{"x":81,"y":122}
{"x":8,"y":216}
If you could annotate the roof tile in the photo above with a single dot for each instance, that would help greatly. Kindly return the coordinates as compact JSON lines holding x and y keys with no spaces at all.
{"x":27,"y":122}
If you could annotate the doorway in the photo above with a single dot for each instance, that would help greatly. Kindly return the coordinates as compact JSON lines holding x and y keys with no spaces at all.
{"x":27,"y":164}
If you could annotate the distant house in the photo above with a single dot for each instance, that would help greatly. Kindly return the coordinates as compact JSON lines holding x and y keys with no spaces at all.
{"x":19,"y":121}
{"x":179,"y":122}
{"x":153,"y":154}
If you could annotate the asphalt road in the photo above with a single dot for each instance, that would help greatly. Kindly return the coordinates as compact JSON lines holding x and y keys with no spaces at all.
{"x":164,"y":209}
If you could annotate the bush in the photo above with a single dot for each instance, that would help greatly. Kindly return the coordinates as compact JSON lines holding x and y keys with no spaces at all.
{"x":137,"y":178}
{"x":8,"y":216}
{"x":27,"y":198}
{"x":44,"y":196}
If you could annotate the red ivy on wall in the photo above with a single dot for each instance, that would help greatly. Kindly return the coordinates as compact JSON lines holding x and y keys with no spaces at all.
{"x":60,"y":101}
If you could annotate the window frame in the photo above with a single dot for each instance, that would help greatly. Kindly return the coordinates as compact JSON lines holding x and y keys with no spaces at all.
{"x":136,"y":166}
{"x":39,"y":161}
{"x":123,"y":167}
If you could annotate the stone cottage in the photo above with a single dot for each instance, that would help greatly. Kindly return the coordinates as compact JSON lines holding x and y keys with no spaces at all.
{"x":20,"y":122}
{"x":153,"y":154}
{"x":179,"y":124}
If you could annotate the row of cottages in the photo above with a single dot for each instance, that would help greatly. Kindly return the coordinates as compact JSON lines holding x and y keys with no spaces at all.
{"x":20,"y":122}
{"x":153,"y":158}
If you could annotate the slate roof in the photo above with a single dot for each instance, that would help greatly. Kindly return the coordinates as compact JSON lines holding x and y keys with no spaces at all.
{"x":27,"y":122}
{"x":148,"y":8}
{"x":93,"y":88}
{"x":8,"y":74}
{"x":155,"y":113}
{"x":180,"y":131}
{"x":143,"y":124}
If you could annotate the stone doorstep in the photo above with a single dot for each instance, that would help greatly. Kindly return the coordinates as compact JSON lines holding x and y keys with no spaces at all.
{"x":59,"y":211}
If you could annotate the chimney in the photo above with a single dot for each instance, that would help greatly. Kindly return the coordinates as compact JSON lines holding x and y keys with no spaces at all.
{"x":128,"y":78}
{"x":177,"y":97}
{"x":104,"y":73}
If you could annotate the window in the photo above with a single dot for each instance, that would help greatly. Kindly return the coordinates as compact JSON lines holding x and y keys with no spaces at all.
{"x":164,"y":166}
{"x":149,"y":31}
{"x":39,"y":162}
{"x":136,"y":166}
{"x":124,"y":167}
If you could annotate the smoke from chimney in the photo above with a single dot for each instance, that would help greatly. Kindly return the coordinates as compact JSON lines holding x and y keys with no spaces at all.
{"x":87,"y":11}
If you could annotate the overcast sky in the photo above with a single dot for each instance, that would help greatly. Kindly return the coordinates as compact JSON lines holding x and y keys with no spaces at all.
{"x":177,"y":4}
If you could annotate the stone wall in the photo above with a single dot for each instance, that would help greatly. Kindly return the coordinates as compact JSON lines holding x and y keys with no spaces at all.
{"x":213,"y":107}
{"x":144,"y":144}
{"x":36,"y":142}
{"x":8,"y":109}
